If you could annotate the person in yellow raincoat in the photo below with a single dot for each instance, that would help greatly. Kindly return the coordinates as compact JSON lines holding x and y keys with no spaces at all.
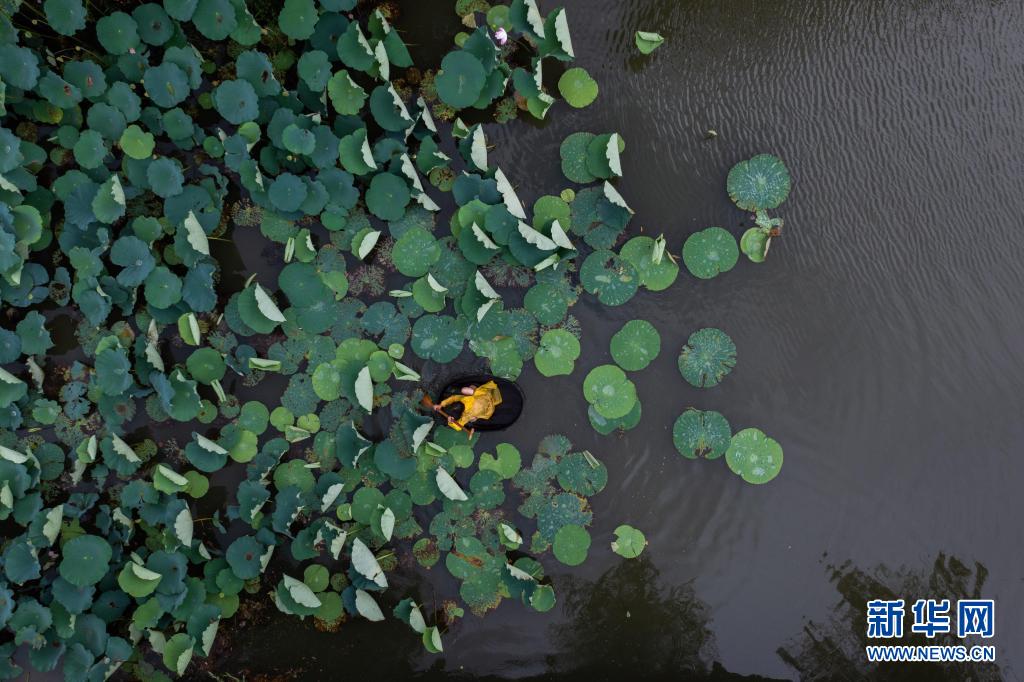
{"x":478,"y":403}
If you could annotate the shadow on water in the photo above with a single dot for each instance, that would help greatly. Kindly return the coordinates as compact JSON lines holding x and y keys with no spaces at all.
{"x":834,"y":649}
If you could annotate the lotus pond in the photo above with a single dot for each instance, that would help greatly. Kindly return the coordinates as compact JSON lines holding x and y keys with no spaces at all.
{"x":241,"y":241}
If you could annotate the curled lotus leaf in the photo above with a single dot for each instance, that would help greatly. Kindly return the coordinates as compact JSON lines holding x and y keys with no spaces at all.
{"x":648,"y":41}
{"x":754,"y":244}
{"x":708,"y":356}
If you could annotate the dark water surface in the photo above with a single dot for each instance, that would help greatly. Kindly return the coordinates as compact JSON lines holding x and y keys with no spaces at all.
{"x":880,"y":344}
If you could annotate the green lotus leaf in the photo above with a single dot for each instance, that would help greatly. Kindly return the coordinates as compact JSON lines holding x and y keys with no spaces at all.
{"x":609,"y":391}
{"x":387,"y":196}
{"x":577,"y":87}
{"x":109,"y":203}
{"x":117,"y":33}
{"x":315,"y":69}
{"x":215,"y":19}
{"x":415,"y":252}
{"x":582,"y":473}
{"x":243,"y":556}
{"x":65,"y":16}
{"x":346,"y":95}
{"x":90,"y":150}
{"x":438,"y":337}
{"x":21,"y":563}
{"x":754,"y":456}
{"x":461,"y":79}
{"x":206,"y":365}
{"x":708,"y":356}
{"x":177,"y":653}
{"x":287,"y":192}
{"x":113,"y":371}
{"x":571,"y":545}
{"x":611,"y":278}
{"x":134,"y":257}
{"x":605,"y":426}
{"x":701,"y":434}
{"x":298,"y":19}
{"x":167,"y":84}
{"x":355,"y":154}
{"x":35,"y":338}
{"x":547,"y":302}
{"x":557,"y":353}
{"x":155,"y":27}
{"x":137,"y":580}
{"x":710,"y":252}
{"x":754,"y":244}
{"x":236,"y":101}
{"x":657,"y":271}
{"x":165,"y":177}
{"x":298,"y":140}
{"x":603,"y":156}
{"x":84,"y":560}
{"x":635,"y":345}
{"x":354,"y":50}
{"x":647,"y":42}
{"x":574,"y":157}
{"x":20,"y":66}
{"x":136,"y":143}
{"x":759,"y":183}
{"x":163,"y":288}
{"x":629,"y":542}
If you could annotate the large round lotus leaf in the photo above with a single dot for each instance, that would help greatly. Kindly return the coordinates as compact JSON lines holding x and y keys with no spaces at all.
{"x":557,"y":353}
{"x":167,"y":84}
{"x":710,"y":252}
{"x":117,"y":33}
{"x":577,"y":87}
{"x":346,"y":95}
{"x":415,"y":252}
{"x":163,"y":288}
{"x":137,"y":143}
{"x":135,"y":258}
{"x":580,"y":473}
{"x":759,"y":183}
{"x":65,"y":16}
{"x":387,"y":196}
{"x":298,"y":140}
{"x":90,"y":149}
{"x":609,"y":391}
{"x":707,"y":357}
{"x":298,"y":19}
{"x":754,"y":244}
{"x":85,"y":559}
{"x":701,"y":434}
{"x":546,"y":303}
{"x":629,"y":542}
{"x":206,"y":365}
{"x":640,"y":251}
{"x":460,"y":80}
{"x":605,"y":426}
{"x":215,"y":19}
{"x":315,"y":69}
{"x":236,"y":101}
{"x":155,"y":27}
{"x":243,"y":556}
{"x":574,"y":157}
{"x":611,"y":278}
{"x":438,"y":337}
{"x":327,"y":381}
{"x":754,"y":456}
{"x":548,"y":209}
{"x":571,"y":545}
{"x":287,"y":192}
{"x":165,"y":177}
{"x":635,"y":345}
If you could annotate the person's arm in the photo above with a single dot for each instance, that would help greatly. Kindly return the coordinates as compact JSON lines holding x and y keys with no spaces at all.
{"x":449,"y":400}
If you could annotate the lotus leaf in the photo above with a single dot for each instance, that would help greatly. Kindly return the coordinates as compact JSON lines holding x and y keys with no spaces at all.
{"x":609,"y":391}
{"x":754,"y":244}
{"x":117,"y":33}
{"x":298,"y":19}
{"x":415,"y":252}
{"x":710,"y":252}
{"x":460,"y":80}
{"x":635,"y":345}
{"x":611,"y":278}
{"x":557,"y":353}
{"x":759,"y":183}
{"x":657,"y":271}
{"x":754,"y":456}
{"x":708,"y":356}
{"x":605,"y":426}
{"x":647,"y":42}
{"x":577,"y":87}
{"x":701,"y":434}
{"x":571,"y":545}
{"x":387,"y":196}
{"x":65,"y":16}
{"x":236,"y":101}
{"x":629,"y":542}
{"x":84,"y":560}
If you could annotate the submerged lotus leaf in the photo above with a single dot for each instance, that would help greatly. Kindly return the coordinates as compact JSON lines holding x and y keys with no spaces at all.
{"x":710,"y":252}
{"x":85,"y":560}
{"x":577,"y":87}
{"x":460,"y":80}
{"x":647,"y":41}
{"x":708,"y":356}
{"x":701,"y":434}
{"x":754,"y":244}
{"x":655,"y":274}
{"x":629,"y":542}
{"x":635,"y":345}
{"x":557,"y":353}
{"x":571,"y":545}
{"x":236,"y":101}
{"x":605,"y":426}
{"x":611,"y":278}
{"x":759,"y":183}
{"x":754,"y":456}
{"x":609,"y":391}
{"x":387,"y":196}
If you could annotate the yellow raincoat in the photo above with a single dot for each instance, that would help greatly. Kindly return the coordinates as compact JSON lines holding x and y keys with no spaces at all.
{"x":478,"y":406}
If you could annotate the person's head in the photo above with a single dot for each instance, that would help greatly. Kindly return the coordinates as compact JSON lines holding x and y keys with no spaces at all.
{"x":468,"y":390}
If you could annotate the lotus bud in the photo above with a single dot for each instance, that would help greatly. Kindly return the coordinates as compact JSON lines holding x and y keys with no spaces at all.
{"x":500,"y":36}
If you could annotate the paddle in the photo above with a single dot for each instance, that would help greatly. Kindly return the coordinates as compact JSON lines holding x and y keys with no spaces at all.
{"x":428,"y":403}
